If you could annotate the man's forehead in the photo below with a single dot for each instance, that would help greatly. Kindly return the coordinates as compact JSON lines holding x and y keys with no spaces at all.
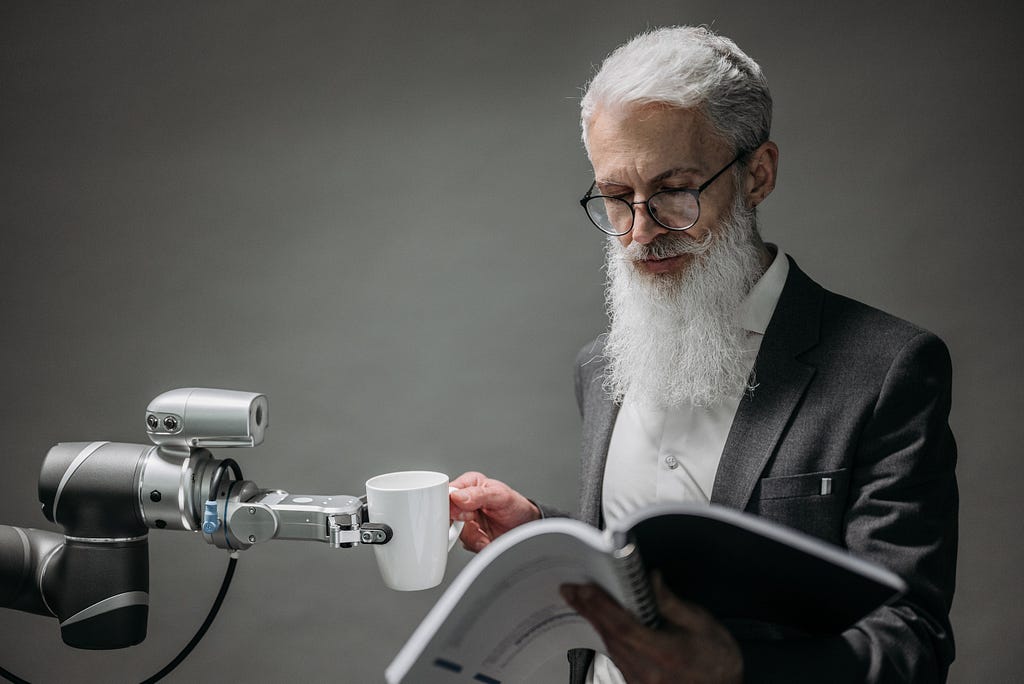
{"x":655,"y":139}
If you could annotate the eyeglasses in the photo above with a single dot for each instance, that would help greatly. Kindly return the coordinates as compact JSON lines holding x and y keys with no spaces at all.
{"x":676,"y":209}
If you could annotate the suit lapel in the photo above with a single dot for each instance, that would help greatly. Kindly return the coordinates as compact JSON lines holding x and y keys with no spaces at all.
{"x":599,"y":422}
{"x":781,"y":381}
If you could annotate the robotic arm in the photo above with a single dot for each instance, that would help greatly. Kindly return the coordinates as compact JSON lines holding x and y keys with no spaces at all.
{"x":107,"y":495}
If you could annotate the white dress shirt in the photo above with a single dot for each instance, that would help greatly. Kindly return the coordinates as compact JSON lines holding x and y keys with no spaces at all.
{"x":659,"y":455}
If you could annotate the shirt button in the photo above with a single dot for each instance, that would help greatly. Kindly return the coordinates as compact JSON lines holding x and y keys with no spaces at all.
{"x":671,"y":462}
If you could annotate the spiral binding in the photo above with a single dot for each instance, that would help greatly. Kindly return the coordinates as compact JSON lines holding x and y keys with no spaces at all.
{"x":633,"y":577}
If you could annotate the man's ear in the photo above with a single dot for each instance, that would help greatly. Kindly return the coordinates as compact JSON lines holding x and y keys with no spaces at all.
{"x":761,"y":172}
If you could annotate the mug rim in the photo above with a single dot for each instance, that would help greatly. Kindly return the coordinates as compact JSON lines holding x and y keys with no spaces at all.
{"x":372,"y":482}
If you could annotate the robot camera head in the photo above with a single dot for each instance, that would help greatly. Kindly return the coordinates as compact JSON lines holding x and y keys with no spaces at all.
{"x":194,"y":417}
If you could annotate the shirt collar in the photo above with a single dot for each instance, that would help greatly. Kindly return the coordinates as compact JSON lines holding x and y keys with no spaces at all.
{"x":757,"y":308}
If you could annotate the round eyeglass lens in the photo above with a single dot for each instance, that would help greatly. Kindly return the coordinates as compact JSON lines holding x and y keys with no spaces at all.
{"x":674,"y":208}
{"x":612,"y":215}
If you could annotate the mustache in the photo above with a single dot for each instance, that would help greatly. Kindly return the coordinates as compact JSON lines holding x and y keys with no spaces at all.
{"x":666,"y":246}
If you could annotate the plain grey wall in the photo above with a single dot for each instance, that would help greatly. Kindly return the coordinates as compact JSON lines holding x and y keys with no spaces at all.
{"x":368,"y":212}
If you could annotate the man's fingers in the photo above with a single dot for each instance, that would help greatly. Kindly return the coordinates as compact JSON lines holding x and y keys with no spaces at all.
{"x":493,"y":494}
{"x":669,"y":654}
{"x":461,"y":500}
{"x":459,"y":511}
{"x":472,"y":491}
{"x":627,"y":641}
{"x":470,"y":479}
{"x":675,"y":610}
{"x":601,"y":610}
{"x":473,"y":537}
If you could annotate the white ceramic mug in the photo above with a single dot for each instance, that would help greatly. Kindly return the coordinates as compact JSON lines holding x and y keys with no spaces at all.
{"x":414,"y":504}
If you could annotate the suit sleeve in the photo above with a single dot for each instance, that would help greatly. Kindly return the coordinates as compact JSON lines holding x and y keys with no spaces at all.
{"x":902,"y":513}
{"x":587,"y":352}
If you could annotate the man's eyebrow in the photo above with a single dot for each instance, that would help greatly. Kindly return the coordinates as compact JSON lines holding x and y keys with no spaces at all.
{"x":677,"y":171}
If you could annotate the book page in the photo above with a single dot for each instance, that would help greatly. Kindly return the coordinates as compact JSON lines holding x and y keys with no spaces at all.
{"x":503,"y":617}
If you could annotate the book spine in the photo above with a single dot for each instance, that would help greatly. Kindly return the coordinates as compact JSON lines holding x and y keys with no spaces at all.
{"x":633,"y":577}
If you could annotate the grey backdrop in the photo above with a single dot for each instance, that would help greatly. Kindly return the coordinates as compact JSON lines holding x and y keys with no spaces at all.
{"x":368,"y":212}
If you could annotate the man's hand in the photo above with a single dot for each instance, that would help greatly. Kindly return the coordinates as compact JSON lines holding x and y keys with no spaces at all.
{"x":489,"y":508}
{"x":691,"y":646}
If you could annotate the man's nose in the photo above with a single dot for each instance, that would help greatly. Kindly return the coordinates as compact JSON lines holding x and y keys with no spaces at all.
{"x":645,"y":228}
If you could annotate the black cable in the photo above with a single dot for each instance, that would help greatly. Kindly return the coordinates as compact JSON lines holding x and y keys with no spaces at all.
{"x":214,"y":609}
{"x":201,"y":632}
{"x":218,"y":474}
{"x":11,"y":677}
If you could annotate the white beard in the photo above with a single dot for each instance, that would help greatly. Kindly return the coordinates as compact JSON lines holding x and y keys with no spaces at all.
{"x":677,"y":338}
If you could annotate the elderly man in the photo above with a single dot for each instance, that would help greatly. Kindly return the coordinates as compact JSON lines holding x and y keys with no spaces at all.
{"x":729,"y":376}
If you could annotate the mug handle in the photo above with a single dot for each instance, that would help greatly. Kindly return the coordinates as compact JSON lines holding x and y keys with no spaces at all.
{"x":456,"y":527}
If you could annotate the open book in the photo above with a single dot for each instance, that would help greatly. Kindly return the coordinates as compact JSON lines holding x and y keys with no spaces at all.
{"x":502,"y":616}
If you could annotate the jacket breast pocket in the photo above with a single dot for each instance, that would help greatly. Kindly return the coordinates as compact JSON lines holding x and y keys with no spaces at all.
{"x":814,"y":503}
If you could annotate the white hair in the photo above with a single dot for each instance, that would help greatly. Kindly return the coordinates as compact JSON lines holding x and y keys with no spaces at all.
{"x":686,"y":67}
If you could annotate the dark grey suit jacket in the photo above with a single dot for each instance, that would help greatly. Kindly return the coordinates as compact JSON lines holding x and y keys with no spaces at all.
{"x":848,"y":392}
